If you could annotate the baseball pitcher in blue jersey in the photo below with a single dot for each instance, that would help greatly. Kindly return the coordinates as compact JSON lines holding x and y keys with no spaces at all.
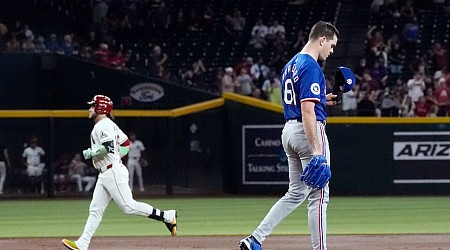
{"x":304,"y":139}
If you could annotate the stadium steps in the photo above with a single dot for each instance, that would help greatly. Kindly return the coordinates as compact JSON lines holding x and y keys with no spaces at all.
{"x":352,"y":26}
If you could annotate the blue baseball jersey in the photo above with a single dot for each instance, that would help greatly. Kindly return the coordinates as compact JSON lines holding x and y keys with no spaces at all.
{"x":303,"y":80}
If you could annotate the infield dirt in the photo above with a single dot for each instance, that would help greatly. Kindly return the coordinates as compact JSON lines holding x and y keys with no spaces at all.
{"x":335,"y":242}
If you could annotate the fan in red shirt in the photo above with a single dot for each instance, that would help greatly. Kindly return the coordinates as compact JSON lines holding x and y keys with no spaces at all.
{"x":423,"y":108}
{"x":442,"y":94}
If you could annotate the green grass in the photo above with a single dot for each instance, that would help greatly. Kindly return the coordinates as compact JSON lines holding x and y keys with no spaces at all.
{"x":228,"y":216}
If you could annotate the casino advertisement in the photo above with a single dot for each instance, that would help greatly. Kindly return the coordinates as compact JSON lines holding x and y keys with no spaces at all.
{"x":421,"y":157}
{"x":263,"y":159}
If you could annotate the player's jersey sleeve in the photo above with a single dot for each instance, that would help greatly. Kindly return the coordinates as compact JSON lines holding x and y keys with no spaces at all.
{"x":309,"y":88}
{"x":122,"y":137}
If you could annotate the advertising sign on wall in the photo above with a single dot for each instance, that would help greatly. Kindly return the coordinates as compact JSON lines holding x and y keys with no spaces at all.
{"x":421,"y":157}
{"x":263,"y":159}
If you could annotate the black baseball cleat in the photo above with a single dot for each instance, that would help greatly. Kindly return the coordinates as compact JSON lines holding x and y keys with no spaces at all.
{"x":170,"y":219}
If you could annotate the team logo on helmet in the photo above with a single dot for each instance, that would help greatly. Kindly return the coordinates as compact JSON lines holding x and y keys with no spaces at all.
{"x":102,"y":104}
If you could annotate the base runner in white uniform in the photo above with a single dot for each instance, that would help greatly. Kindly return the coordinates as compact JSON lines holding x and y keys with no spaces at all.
{"x":108,"y":145}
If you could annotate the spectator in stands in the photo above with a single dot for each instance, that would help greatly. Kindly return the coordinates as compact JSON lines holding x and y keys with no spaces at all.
{"x":259,"y":72}
{"x":244,"y":82}
{"x":39,"y":45}
{"x":360,"y":69}
{"x":438,"y":74}
{"x":260,"y":30}
{"x":117,"y":60}
{"x":274,"y":91}
{"x":217,"y":80}
{"x":158,"y":57}
{"x":67,"y":46}
{"x":366,"y":104}
{"x":349,"y":103}
{"x":208,"y":18}
{"x":418,"y":66}
{"x":28,"y":33}
{"x":194,"y":76}
{"x":396,"y":59}
{"x":227,"y":81}
{"x":389,"y":104}
{"x":13,"y":45}
{"x":439,"y":54}
{"x":102,"y":54}
{"x":28,"y":45}
{"x":77,"y":173}
{"x":188,"y":78}
{"x":371,"y":83}
{"x":375,"y":43}
{"x":246,"y":62}
{"x":422,"y":109}
{"x":379,"y":73}
{"x":235,"y":24}
{"x":431,"y":99}
{"x":275,"y":28}
{"x":267,"y":84}
{"x":407,"y":107}
{"x":86,"y":53}
{"x":258,"y":42}
{"x":442,"y":95}
{"x":53,"y":44}
{"x":158,"y":62}
{"x":445,"y":72}
{"x":199,"y":70}
{"x":416,"y":86}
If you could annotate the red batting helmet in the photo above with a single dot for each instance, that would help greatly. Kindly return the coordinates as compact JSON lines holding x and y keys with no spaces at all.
{"x":102,"y":104}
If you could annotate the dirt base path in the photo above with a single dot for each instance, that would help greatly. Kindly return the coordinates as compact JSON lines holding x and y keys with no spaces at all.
{"x":345,"y":242}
